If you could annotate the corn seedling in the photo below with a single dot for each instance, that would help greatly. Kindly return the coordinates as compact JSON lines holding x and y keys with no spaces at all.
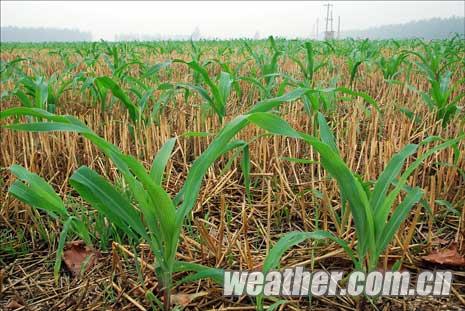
{"x":36,"y":192}
{"x":434,"y":63}
{"x":390,"y":66}
{"x":156,"y":219}
{"x":219,"y":90}
{"x":370,"y":208}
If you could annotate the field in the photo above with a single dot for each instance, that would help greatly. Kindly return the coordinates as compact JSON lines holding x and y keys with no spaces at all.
{"x":170,"y":162}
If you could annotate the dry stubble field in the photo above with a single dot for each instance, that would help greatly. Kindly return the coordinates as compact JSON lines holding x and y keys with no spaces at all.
{"x":250,"y":196}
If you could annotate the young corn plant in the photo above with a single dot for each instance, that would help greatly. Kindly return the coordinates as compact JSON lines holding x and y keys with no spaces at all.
{"x":9,"y":69}
{"x":390,"y":66}
{"x":361,"y":53}
{"x":142,"y":92}
{"x":154,"y":220}
{"x":269,"y":68}
{"x":225,"y":67}
{"x":89,"y":55}
{"x":219,"y":90}
{"x":439,"y":98}
{"x":36,"y":192}
{"x":145,"y":97}
{"x":311,"y":66}
{"x":375,"y":218}
{"x":157,"y":218}
{"x":40,"y":92}
{"x":323,"y":98}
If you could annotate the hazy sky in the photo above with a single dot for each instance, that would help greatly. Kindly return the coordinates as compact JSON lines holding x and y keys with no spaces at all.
{"x":217,"y":19}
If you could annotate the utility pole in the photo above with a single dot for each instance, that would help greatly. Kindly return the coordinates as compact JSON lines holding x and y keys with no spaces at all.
{"x":332,"y":29}
{"x":327,"y":15}
{"x":339,"y":27}
{"x":316,"y":34}
{"x":329,"y":34}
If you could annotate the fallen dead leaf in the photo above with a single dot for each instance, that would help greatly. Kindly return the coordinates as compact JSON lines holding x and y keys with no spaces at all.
{"x":77,"y":254}
{"x":13,"y":305}
{"x":185,"y":299}
{"x":448,"y":256}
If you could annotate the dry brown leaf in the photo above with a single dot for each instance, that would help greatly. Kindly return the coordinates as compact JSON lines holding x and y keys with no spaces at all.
{"x":77,"y":254}
{"x":13,"y":305}
{"x":185,"y":299}
{"x":448,"y":256}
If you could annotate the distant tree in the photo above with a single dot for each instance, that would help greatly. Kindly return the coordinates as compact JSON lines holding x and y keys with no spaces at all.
{"x":429,"y":29}
{"x":30,"y":34}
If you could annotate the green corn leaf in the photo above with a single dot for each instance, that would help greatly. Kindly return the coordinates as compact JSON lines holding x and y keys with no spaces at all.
{"x":191,"y":187}
{"x":448,"y":206}
{"x":202,"y":92}
{"x":25,"y":101}
{"x":110,"y":84}
{"x":162,"y":211}
{"x":224,"y":86}
{"x":255,"y":82}
{"x":60,"y":248}
{"x":353,"y":71}
{"x":107,"y":200}
{"x":267,"y":104}
{"x":218,"y":101}
{"x":370,"y":100}
{"x":300,"y":161}
{"x":188,"y":193}
{"x":326,"y":134}
{"x":161,"y":159}
{"x":44,"y":127}
{"x":156,"y":68}
{"x":39,"y":113}
{"x":291,"y":239}
{"x":349,"y":186}
{"x":81,"y":229}
{"x":245,"y":166}
{"x":23,"y":193}
{"x":201,"y":272}
{"x":36,"y":192}
{"x":273,"y":124}
{"x":383,"y":211}
{"x":399,"y":215}
{"x":310,"y":61}
{"x":195,"y":134}
{"x":388,"y":175}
